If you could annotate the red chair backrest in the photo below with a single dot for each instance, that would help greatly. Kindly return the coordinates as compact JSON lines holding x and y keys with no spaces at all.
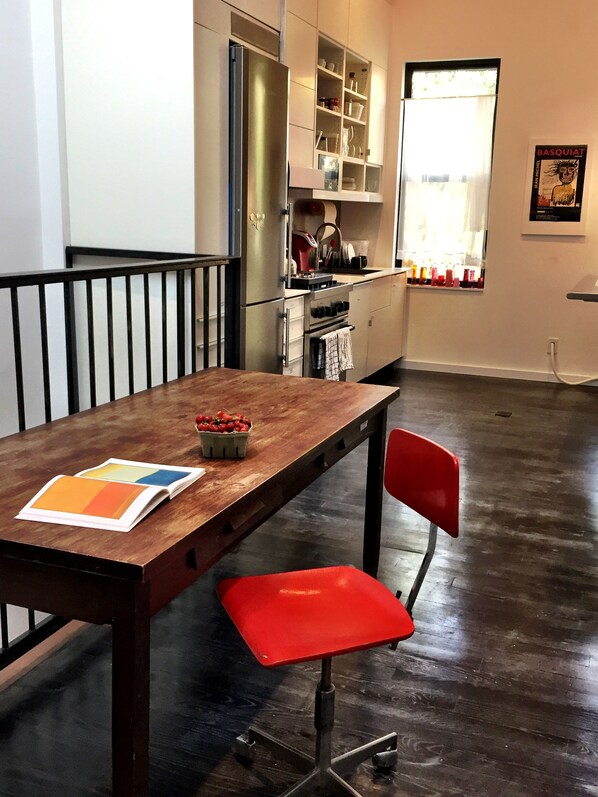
{"x":425,"y":476}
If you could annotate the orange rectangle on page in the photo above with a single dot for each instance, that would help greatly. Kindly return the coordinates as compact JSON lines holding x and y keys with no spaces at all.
{"x":114,"y":500}
{"x":88,"y":497}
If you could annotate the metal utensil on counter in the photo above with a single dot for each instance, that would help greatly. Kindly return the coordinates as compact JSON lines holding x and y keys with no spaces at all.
{"x":333,"y":257}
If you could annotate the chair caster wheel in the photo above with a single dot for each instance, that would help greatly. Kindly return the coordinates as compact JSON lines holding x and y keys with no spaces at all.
{"x":386,"y":760}
{"x":243,"y":748}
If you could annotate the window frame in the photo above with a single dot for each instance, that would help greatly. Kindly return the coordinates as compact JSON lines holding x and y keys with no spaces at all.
{"x":412,"y":67}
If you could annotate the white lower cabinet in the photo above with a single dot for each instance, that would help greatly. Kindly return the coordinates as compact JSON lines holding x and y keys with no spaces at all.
{"x":377,"y":312}
{"x":293,"y":337}
{"x":359,"y":318}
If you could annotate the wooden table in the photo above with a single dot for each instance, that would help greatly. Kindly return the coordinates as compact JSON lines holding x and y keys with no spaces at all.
{"x":302,"y":427}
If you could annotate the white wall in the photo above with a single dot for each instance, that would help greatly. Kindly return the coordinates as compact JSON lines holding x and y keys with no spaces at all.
{"x":547,"y":89}
{"x":128,"y":72}
{"x":20,"y":213}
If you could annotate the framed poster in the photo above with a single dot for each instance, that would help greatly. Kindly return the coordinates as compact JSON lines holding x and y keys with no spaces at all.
{"x":556,"y":186}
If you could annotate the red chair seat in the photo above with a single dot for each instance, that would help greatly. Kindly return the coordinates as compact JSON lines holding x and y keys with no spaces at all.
{"x":313,"y":614}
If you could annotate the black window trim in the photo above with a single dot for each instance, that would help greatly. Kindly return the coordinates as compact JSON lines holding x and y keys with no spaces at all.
{"x":437,"y":66}
{"x":448,"y":66}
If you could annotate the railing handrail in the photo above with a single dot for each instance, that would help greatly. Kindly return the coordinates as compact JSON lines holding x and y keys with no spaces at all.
{"x":68,"y":275}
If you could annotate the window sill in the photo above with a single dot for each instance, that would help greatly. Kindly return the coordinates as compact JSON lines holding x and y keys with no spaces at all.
{"x":444,"y":289}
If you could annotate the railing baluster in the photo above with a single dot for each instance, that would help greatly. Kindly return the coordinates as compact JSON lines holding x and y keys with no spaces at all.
{"x":219,"y":316}
{"x":206,"y":318}
{"x":71,"y":349}
{"x":129,"y":335}
{"x":43,"y":322}
{"x":91,"y":348}
{"x":164,"y":332}
{"x":18,"y":356}
{"x":110,"y":312}
{"x":180,"y":322}
{"x":148,"y":334}
{"x":193,"y":283}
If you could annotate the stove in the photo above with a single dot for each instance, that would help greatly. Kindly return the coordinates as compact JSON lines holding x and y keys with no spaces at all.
{"x":313,"y":281}
{"x":326,"y":310}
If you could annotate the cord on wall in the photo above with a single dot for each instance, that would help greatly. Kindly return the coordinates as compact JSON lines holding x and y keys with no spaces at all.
{"x":552,"y":354}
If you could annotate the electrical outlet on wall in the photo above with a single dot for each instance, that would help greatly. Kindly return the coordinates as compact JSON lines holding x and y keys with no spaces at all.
{"x":552,"y":346}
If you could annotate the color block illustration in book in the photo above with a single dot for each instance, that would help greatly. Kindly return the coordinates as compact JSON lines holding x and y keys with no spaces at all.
{"x":114,"y":496}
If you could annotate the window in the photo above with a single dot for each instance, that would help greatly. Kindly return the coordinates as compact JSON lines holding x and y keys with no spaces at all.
{"x":448,"y":128}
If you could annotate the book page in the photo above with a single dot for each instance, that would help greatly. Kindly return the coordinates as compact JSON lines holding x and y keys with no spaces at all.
{"x":93,"y":503}
{"x":171,"y":477}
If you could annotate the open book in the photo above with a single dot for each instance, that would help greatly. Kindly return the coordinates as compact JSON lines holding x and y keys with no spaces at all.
{"x":115,"y":495}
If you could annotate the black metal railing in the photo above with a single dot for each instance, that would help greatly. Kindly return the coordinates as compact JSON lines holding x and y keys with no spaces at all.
{"x":88,"y":334}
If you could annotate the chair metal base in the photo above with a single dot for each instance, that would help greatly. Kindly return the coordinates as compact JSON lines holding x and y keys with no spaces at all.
{"x":383,"y":751}
{"x":323,"y":770}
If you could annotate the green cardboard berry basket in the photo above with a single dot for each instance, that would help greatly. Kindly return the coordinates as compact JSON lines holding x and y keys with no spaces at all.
{"x":226,"y":445}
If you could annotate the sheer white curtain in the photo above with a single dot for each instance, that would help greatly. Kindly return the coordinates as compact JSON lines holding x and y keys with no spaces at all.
{"x":445,"y":178}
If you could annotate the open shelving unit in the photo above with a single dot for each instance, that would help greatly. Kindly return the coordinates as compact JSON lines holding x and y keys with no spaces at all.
{"x":341,"y":130}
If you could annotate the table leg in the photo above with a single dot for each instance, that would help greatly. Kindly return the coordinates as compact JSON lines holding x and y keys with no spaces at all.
{"x":373,"y":495}
{"x":130,"y":696}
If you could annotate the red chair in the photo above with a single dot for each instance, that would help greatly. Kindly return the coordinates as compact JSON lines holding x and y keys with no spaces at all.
{"x":287,"y":618}
{"x":425,"y":477}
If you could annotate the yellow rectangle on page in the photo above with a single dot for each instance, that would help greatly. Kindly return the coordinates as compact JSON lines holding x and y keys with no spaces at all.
{"x":120,"y":473}
{"x":88,"y":497}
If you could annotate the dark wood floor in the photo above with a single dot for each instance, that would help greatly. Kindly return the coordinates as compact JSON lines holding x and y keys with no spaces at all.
{"x":496,"y":693}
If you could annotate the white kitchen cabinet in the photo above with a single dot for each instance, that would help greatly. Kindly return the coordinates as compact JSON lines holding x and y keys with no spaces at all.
{"x":266,"y":11}
{"x":301,"y":49}
{"x":376,"y":119}
{"x":377,"y":312}
{"x":333,"y":19}
{"x":369,"y":29}
{"x":301,"y":52}
{"x":306,"y":9}
{"x":359,"y":318}
{"x":293,"y":336}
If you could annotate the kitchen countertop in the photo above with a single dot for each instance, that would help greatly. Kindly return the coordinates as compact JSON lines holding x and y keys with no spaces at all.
{"x":351,"y":279}
{"x":357,"y":278}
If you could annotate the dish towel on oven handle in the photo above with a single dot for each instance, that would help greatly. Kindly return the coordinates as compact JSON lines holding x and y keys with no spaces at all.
{"x":345,"y":349}
{"x":334,"y":354}
{"x":326,"y":355}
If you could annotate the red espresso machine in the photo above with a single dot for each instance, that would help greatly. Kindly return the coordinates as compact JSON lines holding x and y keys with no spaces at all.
{"x":304,"y":249}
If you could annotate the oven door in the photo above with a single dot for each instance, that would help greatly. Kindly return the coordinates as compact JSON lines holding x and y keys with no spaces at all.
{"x":311,"y":342}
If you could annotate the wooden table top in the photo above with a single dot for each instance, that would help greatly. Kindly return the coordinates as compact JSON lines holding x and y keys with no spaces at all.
{"x":294,"y":420}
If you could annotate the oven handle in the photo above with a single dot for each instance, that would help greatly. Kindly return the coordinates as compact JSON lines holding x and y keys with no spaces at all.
{"x":318,"y":333}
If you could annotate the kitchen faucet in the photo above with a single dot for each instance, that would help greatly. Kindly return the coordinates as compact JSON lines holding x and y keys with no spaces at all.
{"x":319,"y":240}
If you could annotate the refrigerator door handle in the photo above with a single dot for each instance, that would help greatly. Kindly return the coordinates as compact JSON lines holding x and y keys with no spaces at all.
{"x":284,"y":242}
{"x":287,"y":337}
{"x":289,"y":270}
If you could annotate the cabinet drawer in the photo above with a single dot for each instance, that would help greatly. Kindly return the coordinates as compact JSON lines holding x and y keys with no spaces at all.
{"x":379,"y":293}
{"x":294,"y":307}
{"x":295,"y":328}
{"x":294,"y":368}
{"x":295,"y":350}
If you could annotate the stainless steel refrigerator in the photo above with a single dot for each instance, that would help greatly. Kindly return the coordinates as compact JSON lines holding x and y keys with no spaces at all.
{"x":258,"y":168}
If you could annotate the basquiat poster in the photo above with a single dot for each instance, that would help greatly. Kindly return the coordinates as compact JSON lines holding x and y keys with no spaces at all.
{"x":558,"y":182}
